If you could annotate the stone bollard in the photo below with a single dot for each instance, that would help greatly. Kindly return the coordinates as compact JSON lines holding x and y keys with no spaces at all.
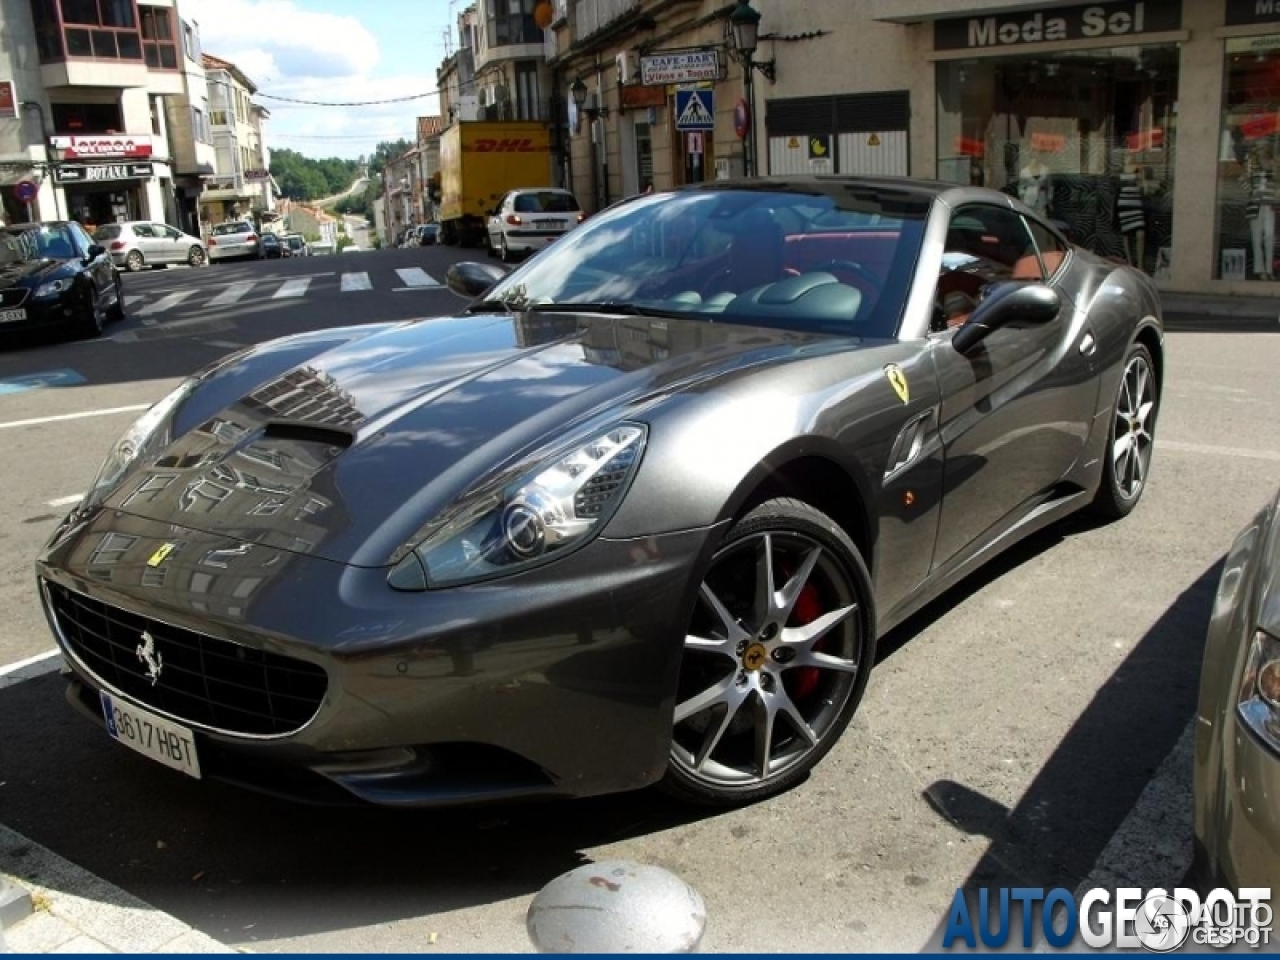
{"x":617,"y":907}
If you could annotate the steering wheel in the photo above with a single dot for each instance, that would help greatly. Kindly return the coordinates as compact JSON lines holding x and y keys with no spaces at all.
{"x":849,"y":266}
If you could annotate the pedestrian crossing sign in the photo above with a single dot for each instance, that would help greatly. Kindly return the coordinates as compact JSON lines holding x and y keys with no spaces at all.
{"x":695,"y":110}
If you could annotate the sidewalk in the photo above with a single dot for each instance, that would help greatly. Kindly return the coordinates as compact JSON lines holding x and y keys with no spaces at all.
{"x":50,"y":905}
{"x":1194,"y":312}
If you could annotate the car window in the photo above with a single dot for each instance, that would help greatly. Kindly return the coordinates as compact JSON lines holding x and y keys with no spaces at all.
{"x":54,"y":243}
{"x":80,"y":237}
{"x":107,"y":232}
{"x":778,"y":259}
{"x":1052,"y":249}
{"x":225,"y":229}
{"x":984,"y":245}
{"x":545,"y":201}
{"x":169,"y":232}
{"x":142,"y":230}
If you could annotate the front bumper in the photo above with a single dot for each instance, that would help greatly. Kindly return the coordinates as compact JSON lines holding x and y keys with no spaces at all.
{"x":556,"y":682}
{"x":63,"y":312}
{"x":1236,"y":775}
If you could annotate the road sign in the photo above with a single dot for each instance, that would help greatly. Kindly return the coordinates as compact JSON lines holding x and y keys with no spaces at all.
{"x":25,"y":191}
{"x":695,"y":110}
{"x":695,"y":141}
{"x":741,"y":119}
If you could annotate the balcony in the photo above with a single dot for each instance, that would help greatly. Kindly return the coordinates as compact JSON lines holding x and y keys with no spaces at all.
{"x":591,"y":16}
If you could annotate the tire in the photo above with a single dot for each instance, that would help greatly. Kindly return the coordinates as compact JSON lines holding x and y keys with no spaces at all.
{"x":90,"y":323}
{"x":135,"y":261}
{"x":1124,"y":475}
{"x":116,"y":312}
{"x":505,"y":251}
{"x":743,"y":676}
{"x":196,"y":257}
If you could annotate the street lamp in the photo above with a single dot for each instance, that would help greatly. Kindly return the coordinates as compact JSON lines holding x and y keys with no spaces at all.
{"x":579,"y":93}
{"x":744,"y":22}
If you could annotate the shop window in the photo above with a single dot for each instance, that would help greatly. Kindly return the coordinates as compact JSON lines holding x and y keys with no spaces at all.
{"x":1086,"y":138}
{"x":159,"y":42}
{"x":1249,"y":161}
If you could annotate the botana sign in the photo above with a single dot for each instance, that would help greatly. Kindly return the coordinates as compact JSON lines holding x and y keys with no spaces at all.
{"x":1094,"y":21}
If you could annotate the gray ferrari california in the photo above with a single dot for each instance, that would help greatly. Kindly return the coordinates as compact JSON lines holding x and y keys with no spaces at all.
{"x":637,"y":514}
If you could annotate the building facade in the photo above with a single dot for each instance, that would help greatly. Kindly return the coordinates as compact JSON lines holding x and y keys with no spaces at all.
{"x":1147,"y":129}
{"x":241,"y":185}
{"x":83,"y":117}
{"x":661,"y":95}
{"x":190,"y":133}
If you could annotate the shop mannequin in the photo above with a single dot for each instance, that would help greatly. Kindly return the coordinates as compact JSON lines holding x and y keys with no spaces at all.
{"x":1261,"y":211}
{"x":1035,"y":185}
{"x":1130,"y":216}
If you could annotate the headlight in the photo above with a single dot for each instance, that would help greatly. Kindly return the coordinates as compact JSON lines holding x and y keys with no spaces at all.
{"x":52,"y":288}
{"x":1259,"y":698}
{"x":540,"y":514}
{"x":145,"y":434}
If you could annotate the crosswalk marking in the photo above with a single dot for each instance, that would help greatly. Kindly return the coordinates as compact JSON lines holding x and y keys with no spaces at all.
{"x":355,"y":281}
{"x":232,"y":294}
{"x":167,"y":302}
{"x":130,"y":301}
{"x":292,"y":288}
{"x":416,"y":277}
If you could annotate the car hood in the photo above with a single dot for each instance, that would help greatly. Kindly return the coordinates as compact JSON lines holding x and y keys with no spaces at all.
{"x":347,"y":455}
{"x":32,"y":273}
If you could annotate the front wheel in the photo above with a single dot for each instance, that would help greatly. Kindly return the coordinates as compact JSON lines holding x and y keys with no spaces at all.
{"x":776,"y":657}
{"x":1127,"y":462}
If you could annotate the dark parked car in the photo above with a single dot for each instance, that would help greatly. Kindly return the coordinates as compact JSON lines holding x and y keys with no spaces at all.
{"x":272,"y":247}
{"x":53,"y":276}
{"x":639,"y":513}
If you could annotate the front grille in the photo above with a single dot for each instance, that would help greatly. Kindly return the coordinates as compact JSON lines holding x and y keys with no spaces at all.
{"x":14,"y":297}
{"x":203,"y":680}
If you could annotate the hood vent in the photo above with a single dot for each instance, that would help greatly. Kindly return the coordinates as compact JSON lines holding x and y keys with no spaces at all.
{"x":309,"y":433}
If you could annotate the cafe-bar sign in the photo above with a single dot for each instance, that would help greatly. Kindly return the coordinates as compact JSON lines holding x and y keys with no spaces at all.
{"x":1089,"y":22}
{"x":684,"y":66}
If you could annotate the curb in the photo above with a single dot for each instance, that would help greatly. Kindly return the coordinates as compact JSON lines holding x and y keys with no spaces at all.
{"x":72,"y":910}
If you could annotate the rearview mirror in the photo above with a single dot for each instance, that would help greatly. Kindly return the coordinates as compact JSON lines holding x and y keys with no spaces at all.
{"x":96,"y":250}
{"x":469,"y":279}
{"x":1010,"y":304}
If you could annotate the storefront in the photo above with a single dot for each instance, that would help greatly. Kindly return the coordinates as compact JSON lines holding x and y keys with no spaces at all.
{"x":101,"y":193}
{"x":107,"y":178}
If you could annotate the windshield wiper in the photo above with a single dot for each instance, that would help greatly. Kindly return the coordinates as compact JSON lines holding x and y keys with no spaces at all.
{"x":490,"y":306}
{"x":600,"y":306}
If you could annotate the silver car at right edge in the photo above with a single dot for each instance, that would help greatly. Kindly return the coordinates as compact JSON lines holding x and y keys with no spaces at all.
{"x":1237,"y":728}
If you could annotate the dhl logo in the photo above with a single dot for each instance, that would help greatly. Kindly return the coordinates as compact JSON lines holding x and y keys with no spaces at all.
{"x":491,"y":145}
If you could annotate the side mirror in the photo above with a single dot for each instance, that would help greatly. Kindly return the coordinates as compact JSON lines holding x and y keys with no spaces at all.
{"x":1010,"y":304}
{"x":469,"y":279}
{"x":96,"y":250}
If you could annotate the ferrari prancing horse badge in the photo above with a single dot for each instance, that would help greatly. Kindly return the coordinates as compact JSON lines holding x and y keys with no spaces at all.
{"x":898,"y":380}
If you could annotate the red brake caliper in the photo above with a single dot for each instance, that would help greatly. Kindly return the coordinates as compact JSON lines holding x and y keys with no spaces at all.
{"x":807,"y":609}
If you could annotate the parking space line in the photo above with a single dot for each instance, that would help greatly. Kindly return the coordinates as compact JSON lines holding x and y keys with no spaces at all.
{"x":58,"y":418}
{"x":1241,"y":453}
{"x":232,"y":293}
{"x":31,"y":666}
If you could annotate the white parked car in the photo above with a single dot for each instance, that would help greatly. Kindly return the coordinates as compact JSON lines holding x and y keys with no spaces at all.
{"x":138,"y":244}
{"x":528,"y":220}
{"x":234,"y":239}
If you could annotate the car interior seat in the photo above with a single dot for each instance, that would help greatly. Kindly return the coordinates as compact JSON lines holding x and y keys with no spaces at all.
{"x":756,"y":254}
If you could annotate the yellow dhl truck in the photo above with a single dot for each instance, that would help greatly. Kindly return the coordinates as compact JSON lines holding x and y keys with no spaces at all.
{"x":480,"y":161}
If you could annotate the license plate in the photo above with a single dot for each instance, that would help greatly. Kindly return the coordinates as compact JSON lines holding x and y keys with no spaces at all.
{"x":549,"y":224}
{"x":152,"y":736}
{"x":12,"y":316}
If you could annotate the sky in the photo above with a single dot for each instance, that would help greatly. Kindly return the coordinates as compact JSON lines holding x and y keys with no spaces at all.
{"x":332,"y":51}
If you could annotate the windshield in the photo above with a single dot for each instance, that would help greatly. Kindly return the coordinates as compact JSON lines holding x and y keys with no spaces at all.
{"x":829,"y":258}
{"x":546,"y":201}
{"x":42,"y":243}
{"x":108,"y":232}
{"x":222,"y":229}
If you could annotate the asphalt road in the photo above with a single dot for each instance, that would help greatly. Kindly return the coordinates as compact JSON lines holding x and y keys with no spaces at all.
{"x":1029,"y":729}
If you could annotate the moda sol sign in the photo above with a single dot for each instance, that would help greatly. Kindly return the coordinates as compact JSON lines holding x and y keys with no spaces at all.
{"x":1089,"y":22}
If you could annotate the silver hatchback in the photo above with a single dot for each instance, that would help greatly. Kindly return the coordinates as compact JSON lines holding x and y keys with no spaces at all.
{"x":236,"y":238}
{"x":138,"y":244}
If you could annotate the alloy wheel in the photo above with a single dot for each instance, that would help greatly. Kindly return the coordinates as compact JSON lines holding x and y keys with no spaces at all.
{"x":196,"y":257}
{"x":134,"y":261}
{"x":772,"y":659}
{"x":1132,"y":436}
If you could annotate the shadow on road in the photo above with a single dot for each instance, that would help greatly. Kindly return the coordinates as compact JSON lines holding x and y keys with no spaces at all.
{"x":1057,"y":831}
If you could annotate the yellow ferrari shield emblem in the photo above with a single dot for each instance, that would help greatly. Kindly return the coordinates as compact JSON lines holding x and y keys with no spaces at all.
{"x":161,"y":555}
{"x":898,"y":380}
